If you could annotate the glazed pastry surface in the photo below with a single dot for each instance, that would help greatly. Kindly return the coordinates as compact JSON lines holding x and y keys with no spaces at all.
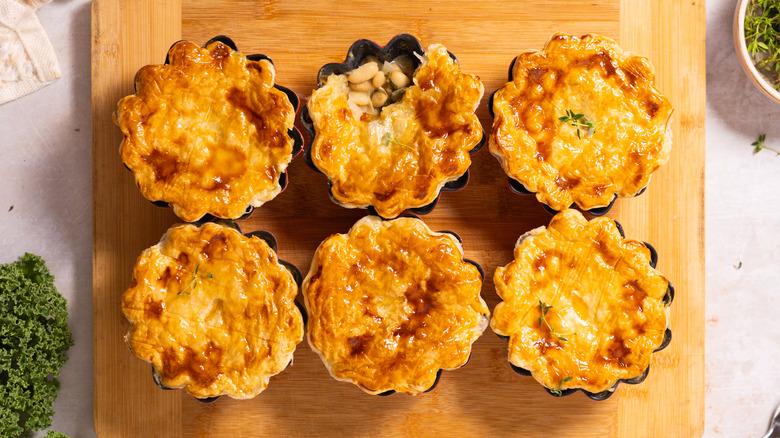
{"x":403,"y":156}
{"x":565,"y":161}
{"x":606,"y":311}
{"x":213,"y":311}
{"x":391,"y":303}
{"x":207,"y":132}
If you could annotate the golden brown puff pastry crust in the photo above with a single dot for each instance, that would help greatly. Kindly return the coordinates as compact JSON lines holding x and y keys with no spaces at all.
{"x":591,"y":76}
{"x":391,"y":303}
{"x":606,"y":301}
{"x":213,"y":311}
{"x":433,"y":128}
{"x":208,"y":132}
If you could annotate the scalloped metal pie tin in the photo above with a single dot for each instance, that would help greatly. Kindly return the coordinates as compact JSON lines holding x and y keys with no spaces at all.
{"x":518,"y":187}
{"x":482,"y":277}
{"x":603,"y":395}
{"x":296,"y":273}
{"x":293,"y":132}
{"x":403,"y":44}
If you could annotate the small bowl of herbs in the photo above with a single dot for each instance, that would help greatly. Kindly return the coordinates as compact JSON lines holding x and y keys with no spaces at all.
{"x":757,"y":41}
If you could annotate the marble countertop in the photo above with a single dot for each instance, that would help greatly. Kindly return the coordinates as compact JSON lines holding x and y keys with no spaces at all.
{"x":742,"y":240}
{"x":45,"y":139}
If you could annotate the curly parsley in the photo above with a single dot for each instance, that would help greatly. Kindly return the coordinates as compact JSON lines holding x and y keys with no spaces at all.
{"x":34,"y":337}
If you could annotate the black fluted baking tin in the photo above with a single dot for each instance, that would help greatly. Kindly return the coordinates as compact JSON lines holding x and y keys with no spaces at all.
{"x":603,"y":395}
{"x":269,"y":238}
{"x":482,"y":277}
{"x":518,"y":187}
{"x":293,"y":132}
{"x":403,"y":44}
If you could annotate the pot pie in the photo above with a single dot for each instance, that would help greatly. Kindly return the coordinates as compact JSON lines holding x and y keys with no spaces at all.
{"x":582,"y":307}
{"x":391,"y":304}
{"x":207,"y":132}
{"x":213,"y":311}
{"x":580,"y":122}
{"x":393,"y":130}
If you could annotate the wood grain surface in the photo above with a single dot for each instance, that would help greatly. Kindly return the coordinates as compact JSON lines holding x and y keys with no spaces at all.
{"x":485,"y":398}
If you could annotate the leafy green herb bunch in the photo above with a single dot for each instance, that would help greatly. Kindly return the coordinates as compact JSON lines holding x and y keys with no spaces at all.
{"x":34,"y":337}
{"x":762,"y":35}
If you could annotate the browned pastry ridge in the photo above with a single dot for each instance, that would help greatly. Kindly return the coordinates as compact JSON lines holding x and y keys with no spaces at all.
{"x":391,"y":303}
{"x":213,"y":311}
{"x":582,"y":306}
{"x":402,"y":157}
{"x":207,"y":132}
{"x":565,"y":164}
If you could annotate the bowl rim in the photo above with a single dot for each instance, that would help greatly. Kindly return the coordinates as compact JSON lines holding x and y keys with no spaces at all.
{"x":745,"y":60}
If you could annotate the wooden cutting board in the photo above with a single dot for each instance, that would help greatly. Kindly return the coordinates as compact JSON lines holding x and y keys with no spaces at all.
{"x":485,"y":398}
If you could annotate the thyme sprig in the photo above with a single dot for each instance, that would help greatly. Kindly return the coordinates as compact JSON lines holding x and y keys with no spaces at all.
{"x":559,"y":390}
{"x":580,"y":122}
{"x":762,"y":35}
{"x":388,"y":138}
{"x":194,"y":281}
{"x":759,"y":145}
{"x":543,"y":308}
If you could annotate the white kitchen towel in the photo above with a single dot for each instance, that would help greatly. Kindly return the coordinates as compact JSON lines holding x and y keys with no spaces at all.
{"x":27,"y":60}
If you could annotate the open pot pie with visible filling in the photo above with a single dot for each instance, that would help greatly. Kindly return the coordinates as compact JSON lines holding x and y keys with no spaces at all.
{"x":581,"y":122}
{"x":207,"y":131}
{"x":395,"y":155}
{"x":582,"y":306}
{"x":392,"y":303}
{"x":213,"y":311}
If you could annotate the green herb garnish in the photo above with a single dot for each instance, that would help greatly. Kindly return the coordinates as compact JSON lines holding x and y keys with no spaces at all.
{"x":543,"y":320}
{"x":759,"y":145}
{"x":739,"y":266}
{"x":762,"y":35}
{"x":559,"y":390}
{"x":580,"y":122}
{"x":10,"y":208}
{"x":194,"y":281}
{"x":388,"y":138}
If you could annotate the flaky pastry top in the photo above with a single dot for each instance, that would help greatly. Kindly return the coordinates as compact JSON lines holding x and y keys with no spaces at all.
{"x":213,"y":311}
{"x":589,"y":76}
{"x":391,"y":303}
{"x":605,"y":304}
{"x":207,"y":133}
{"x":401,"y":158}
